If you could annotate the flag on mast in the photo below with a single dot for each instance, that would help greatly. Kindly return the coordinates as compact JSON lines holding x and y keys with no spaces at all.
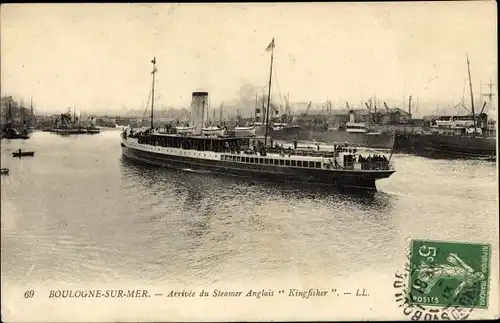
{"x":154,"y":67}
{"x":271,"y":46}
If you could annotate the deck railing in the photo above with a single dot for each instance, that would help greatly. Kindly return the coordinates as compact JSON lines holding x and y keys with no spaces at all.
{"x":300,"y":152}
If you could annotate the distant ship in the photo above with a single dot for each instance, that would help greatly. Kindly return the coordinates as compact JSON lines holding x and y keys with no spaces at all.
{"x":9,"y":132}
{"x":353,"y":132}
{"x":12,"y":131}
{"x":455,"y":136}
{"x":344,"y":167}
{"x":66,"y":125}
{"x":275,"y":130}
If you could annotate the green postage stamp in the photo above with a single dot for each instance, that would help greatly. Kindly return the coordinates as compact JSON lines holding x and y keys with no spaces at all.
{"x":449,"y":274}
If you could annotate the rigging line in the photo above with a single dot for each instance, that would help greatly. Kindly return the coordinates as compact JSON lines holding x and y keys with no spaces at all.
{"x":278,"y":86}
{"x":147,"y":105}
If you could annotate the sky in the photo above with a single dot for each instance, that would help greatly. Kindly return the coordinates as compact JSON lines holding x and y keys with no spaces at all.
{"x":97,"y":57}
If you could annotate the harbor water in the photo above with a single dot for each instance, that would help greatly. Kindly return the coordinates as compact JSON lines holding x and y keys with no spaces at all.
{"x":78,"y":212}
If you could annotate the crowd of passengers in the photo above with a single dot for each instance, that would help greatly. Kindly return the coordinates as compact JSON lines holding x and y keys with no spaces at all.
{"x":373,"y":159}
{"x":373,"y":162}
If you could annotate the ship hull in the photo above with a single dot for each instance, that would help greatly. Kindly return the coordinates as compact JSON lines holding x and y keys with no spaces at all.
{"x":447,"y":146}
{"x":340,"y":179}
{"x":383,"y":140}
{"x":285,"y":134}
{"x":23,"y":137}
{"x":75,"y":131}
{"x":13,"y":133}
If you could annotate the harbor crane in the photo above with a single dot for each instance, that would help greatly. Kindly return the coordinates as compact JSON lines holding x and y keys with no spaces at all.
{"x":306,"y":111}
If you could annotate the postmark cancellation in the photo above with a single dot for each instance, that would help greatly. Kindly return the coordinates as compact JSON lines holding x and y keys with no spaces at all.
{"x":444,"y":280}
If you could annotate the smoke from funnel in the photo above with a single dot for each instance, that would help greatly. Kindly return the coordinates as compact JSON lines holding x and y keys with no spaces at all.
{"x":198,"y":105}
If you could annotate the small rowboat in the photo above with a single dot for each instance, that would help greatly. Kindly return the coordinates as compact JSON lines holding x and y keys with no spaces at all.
{"x":23,"y":153}
{"x":4,"y":171}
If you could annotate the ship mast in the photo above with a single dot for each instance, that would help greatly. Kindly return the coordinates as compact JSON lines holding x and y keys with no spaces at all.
{"x":21,"y":112}
{"x":490,"y":94}
{"x":269,"y":48}
{"x":471,"y":94}
{"x":153,"y":90}
{"x":208,"y":108}
{"x":32,"y":117}
{"x":256,"y":107}
{"x":220,"y":112}
{"x":9,"y":112}
{"x":262,"y":114}
{"x":409,"y":106}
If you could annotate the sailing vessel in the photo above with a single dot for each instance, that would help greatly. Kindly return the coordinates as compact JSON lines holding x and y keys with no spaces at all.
{"x":10,"y":130}
{"x":344,"y":167}
{"x":32,"y":125}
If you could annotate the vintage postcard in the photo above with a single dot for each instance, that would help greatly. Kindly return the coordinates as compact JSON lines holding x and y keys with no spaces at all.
{"x":249,"y":162}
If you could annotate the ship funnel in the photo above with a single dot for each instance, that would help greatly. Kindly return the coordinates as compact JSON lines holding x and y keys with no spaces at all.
{"x":351,"y":116}
{"x":198,"y":105}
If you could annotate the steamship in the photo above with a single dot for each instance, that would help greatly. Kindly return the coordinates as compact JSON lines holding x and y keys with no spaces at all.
{"x":459,"y":136}
{"x":344,"y":167}
{"x":356,"y":133}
